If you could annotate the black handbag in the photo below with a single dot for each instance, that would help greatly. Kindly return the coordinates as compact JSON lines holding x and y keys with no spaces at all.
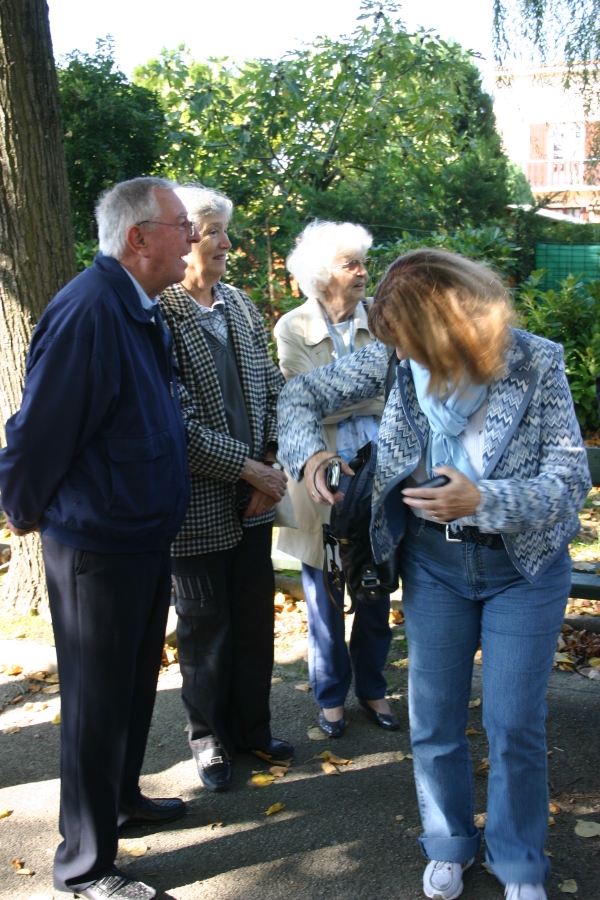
{"x":349,"y":531}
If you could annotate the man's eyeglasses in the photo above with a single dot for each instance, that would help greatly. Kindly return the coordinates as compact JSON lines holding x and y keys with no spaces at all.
{"x":185,"y":225}
{"x":353,"y":265}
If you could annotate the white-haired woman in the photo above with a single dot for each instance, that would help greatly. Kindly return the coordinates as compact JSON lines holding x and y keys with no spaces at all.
{"x":328,"y":262}
{"x":222,"y":568}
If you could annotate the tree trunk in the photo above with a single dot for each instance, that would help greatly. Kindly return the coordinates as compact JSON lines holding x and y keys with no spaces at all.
{"x":37,"y":256}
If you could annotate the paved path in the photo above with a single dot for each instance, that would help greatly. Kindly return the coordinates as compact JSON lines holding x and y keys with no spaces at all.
{"x":338,"y":836}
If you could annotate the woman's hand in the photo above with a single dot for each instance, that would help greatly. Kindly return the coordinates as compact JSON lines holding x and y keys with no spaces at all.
{"x":265,"y":479}
{"x":315,"y":472}
{"x":459,"y":498}
{"x":259,"y":503}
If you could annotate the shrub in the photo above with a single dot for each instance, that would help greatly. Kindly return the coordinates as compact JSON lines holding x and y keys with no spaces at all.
{"x":570,"y":317}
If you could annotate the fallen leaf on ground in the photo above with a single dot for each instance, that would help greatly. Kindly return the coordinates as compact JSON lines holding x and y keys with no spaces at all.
{"x":267,"y":758}
{"x":212,"y":825}
{"x":134,"y":848}
{"x":33,"y":688}
{"x":5,"y":813}
{"x":485,"y":765}
{"x":305,"y":687}
{"x":477,"y":658}
{"x":12,"y":729}
{"x":554,"y":808}
{"x":277,"y":807}
{"x":587,"y":829}
{"x":549,"y":853}
{"x":396,"y":617}
{"x":568,"y":887}
{"x":56,"y":719}
{"x":38,"y":676}
{"x":278,"y":771}
{"x":16,"y":700}
{"x":551,"y":820}
{"x":399,"y":818}
{"x":328,"y":756}
{"x":25,"y":872}
{"x":17,"y":863}
{"x":487,"y":868}
{"x":28,"y":706}
{"x":276,"y":680}
{"x":262,"y":780}
{"x":594,"y":661}
{"x":474,"y":703}
{"x":315,"y":734}
{"x":51,"y":679}
{"x":329,"y":768}
{"x":472,"y":731}
{"x":480,"y":819}
{"x":51,"y":689}
{"x":13,"y":670}
{"x":400,"y":756}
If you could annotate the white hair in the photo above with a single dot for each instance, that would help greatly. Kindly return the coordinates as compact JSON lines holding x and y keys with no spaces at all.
{"x":201,"y":201}
{"x":317,"y":246}
{"x":125,"y":205}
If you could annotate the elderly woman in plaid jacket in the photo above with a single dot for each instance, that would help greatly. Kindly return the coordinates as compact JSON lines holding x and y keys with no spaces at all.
{"x":222,"y":568}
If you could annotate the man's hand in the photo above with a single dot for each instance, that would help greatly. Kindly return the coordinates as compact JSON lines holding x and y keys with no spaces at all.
{"x":459,"y":498}
{"x":269,"y":481}
{"x":315,"y":472}
{"x":21,"y":532}
{"x":259,"y":503}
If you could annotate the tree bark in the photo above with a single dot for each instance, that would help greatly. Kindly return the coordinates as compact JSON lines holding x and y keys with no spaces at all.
{"x":37,"y":256}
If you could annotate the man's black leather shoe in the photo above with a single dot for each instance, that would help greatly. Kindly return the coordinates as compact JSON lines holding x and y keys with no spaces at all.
{"x":153,"y":812}
{"x":384,"y":720}
{"x":275,"y":750}
{"x":331,"y":729}
{"x":117,"y":887}
{"x":214,"y":768}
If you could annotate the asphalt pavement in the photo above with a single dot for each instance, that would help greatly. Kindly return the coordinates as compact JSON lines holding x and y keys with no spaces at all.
{"x":346,"y":836}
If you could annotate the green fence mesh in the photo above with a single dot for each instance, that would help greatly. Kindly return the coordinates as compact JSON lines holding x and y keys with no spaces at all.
{"x":562,"y":260}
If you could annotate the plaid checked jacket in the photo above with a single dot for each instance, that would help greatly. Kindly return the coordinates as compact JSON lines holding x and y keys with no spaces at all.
{"x":215,"y":458}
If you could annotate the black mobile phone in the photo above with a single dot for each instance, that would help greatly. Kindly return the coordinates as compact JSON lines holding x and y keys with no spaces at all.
{"x":334,"y":473}
{"x":436,"y":481}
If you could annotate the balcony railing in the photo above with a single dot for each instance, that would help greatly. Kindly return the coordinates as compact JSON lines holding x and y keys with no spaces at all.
{"x":557,"y":173}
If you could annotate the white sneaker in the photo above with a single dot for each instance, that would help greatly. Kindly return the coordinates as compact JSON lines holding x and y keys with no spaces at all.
{"x":443,"y":880}
{"x":525,"y":892}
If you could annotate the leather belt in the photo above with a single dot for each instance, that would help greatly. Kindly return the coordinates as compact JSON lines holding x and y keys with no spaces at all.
{"x":469,"y":534}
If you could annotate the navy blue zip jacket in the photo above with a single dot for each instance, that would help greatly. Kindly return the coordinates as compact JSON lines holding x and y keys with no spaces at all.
{"x":97,"y":453}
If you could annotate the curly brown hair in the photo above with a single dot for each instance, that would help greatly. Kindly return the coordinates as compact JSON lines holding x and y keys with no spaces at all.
{"x":448,"y":313}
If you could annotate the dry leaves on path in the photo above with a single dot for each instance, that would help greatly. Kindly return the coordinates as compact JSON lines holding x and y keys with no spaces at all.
{"x":329,"y":768}
{"x":277,"y":807}
{"x":587,"y":829}
{"x":12,"y":729}
{"x":402,"y":756}
{"x":554,"y":808}
{"x":474,"y":703}
{"x":480,"y":819}
{"x":262,"y":780}
{"x":134,"y":848}
{"x":5,"y":813}
{"x":568,"y":887}
{"x":19,"y":865}
{"x":212,"y":825}
{"x":314,"y":733}
{"x":56,"y":719}
{"x":278,"y":771}
{"x":304,"y":687}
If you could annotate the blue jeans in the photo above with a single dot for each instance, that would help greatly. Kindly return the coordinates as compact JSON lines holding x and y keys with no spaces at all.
{"x":330,"y":667}
{"x":456,"y":594}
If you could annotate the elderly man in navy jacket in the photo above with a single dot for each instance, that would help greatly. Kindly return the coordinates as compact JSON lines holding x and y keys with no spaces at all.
{"x":96,"y":460}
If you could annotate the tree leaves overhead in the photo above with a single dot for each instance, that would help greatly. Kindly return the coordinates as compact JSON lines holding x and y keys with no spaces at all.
{"x":113,"y":129}
{"x":382,"y":127}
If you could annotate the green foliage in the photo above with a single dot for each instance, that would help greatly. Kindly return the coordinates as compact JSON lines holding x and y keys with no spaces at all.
{"x":570,"y":317}
{"x":113,"y":130}
{"x":85,"y":252}
{"x":386,"y":128}
{"x":492,"y":246}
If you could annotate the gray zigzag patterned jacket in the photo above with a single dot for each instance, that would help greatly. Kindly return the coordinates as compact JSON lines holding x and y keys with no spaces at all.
{"x":535,"y":472}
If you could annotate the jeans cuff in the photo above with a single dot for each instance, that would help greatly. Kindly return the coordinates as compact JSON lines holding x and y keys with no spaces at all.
{"x":452,"y":849}
{"x":520,"y":872}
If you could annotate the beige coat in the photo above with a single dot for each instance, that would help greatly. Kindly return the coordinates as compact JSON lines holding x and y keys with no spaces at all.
{"x":303,"y":343}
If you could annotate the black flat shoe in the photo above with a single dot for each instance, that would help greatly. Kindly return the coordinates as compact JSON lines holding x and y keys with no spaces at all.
{"x":116,"y":887}
{"x":384,"y":720}
{"x":214,"y":768}
{"x":275,"y":750}
{"x":153,"y":812}
{"x":331,"y":729}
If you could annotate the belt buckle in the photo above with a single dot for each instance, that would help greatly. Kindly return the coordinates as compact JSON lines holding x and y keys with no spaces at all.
{"x":451,"y":540}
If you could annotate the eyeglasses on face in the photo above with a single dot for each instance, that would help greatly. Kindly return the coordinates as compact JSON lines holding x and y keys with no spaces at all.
{"x":185,"y":225}
{"x":353,"y":265}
